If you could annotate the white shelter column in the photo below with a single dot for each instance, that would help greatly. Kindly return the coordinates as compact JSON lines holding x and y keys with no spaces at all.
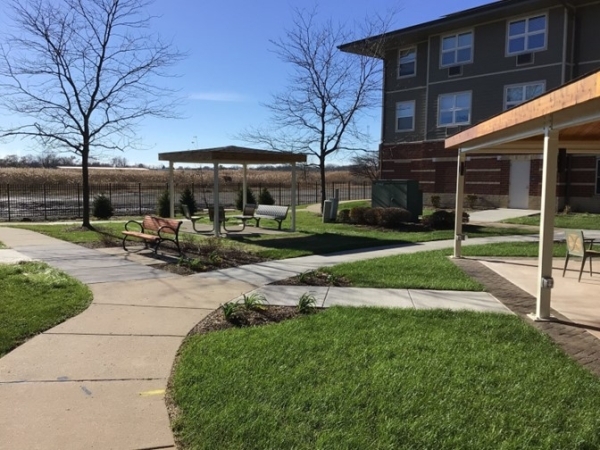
{"x":217,"y":227}
{"x":545,"y":281}
{"x":293,"y":194}
{"x":171,"y":190}
{"x":458,"y":210}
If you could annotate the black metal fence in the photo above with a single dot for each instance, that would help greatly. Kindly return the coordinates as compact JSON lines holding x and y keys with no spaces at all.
{"x":38,"y":202}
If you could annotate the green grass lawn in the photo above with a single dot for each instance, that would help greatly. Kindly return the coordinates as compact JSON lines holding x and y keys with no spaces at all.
{"x":577,"y":221}
{"x":361,"y":378}
{"x":431,"y":269}
{"x":34,"y":298}
{"x":312,"y":236}
{"x":2,"y":245}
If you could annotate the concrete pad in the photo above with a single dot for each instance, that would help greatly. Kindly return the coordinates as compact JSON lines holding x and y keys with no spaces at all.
{"x":174,"y":292}
{"x":114,"y":273}
{"x":457,"y":300}
{"x":118,"y":319}
{"x":255,"y":274}
{"x":387,"y":298}
{"x":145,"y":258}
{"x":89,"y":357}
{"x":86,"y":415}
{"x":500,"y":214}
{"x":10,"y":256}
{"x":289,"y":295}
{"x":578,"y":301}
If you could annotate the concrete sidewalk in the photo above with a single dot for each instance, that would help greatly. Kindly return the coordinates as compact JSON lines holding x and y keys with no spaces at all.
{"x":97,"y":381}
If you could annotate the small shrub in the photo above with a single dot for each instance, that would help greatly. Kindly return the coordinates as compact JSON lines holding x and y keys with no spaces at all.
{"x":102,"y":207}
{"x":306,"y":303}
{"x":357,"y":215}
{"x":265,"y":197}
{"x":254,"y":301}
{"x":443,"y":220}
{"x":163,"y":208}
{"x":471,"y":199}
{"x":187,"y":198}
{"x":436,"y":201}
{"x":372,"y":216}
{"x":250,"y":199}
{"x":393,"y":217}
{"x":215,"y":258}
{"x":344,"y":216}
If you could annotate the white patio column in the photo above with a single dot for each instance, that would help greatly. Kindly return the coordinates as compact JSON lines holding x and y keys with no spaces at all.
{"x":244,"y":187}
{"x":548,"y":207}
{"x":216,"y":226}
{"x":458,"y":210}
{"x":293,"y":193}
{"x":171,"y":191}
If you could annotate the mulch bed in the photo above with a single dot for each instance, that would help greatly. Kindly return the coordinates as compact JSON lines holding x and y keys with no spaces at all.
{"x":314,"y":278}
{"x":216,"y":320}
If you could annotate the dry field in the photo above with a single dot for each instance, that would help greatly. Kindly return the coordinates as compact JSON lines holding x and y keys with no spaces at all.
{"x":182,"y":176}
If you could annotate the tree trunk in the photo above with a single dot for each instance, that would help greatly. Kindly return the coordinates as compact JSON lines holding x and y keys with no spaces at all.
{"x":323,"y":186}
{"x":85,"y":183}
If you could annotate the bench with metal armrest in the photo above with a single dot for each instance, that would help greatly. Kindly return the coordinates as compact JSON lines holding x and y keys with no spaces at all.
{"x":153,"y":231}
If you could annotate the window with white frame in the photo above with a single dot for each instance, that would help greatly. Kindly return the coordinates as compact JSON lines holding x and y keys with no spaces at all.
{"x":405,"y":116}
{"x":407,"y":62}
{"x":457,"y":49}
{"x":454,"y":109}
{"x":527,"y":35}
{"x":598,"y":176}
{"x":519,"y":93}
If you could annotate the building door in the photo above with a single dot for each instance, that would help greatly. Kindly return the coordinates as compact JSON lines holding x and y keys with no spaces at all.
{"x":518,"y":191}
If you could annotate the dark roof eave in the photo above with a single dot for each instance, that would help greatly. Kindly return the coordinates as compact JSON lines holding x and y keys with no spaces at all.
{"x":361,"y":46}
{"x":233,"y":155}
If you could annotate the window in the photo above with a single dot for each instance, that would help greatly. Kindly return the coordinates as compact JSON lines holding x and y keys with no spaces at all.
{"x":454,"y":109}
{"x":407,"y":63}
{"x":405,"y":116}
{"x":527,"y":35}
{"x":519,"y":93}
{"x":598,"y":176}
{"x":457,"y":49}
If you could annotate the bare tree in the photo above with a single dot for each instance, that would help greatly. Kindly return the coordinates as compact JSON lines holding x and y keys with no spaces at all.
{"x":118,"y":161}
{"x":327,"y":91}
{"x":366,"y":165}
{"x":81,"y":74}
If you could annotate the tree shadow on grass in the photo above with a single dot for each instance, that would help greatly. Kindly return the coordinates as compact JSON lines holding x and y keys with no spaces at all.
{"x":321,"y":243}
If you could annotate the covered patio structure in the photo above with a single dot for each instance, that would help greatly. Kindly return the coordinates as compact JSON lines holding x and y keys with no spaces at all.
{"x":232,"y":155}
{"x":565,"y":118}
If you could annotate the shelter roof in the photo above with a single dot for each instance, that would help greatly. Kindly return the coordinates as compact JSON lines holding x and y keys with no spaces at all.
{"x":572,"y":109}
{"x":232,"y":155}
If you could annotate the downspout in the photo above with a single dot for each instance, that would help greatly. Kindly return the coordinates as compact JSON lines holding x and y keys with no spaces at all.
{"x":563,"y":75}
{"x":383,"y":114}
{"x":570,"y":13}
{"x":426,"y":125}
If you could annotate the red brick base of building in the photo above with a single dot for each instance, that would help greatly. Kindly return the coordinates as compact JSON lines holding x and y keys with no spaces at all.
{"x":488,"y":177}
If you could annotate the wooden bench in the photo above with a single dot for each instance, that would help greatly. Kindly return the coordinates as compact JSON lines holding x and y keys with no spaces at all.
{"x":153,"y":231}
{"x":273,"y":212}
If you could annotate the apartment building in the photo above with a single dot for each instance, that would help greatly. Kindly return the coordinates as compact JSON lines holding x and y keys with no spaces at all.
{"x":446,"y":75}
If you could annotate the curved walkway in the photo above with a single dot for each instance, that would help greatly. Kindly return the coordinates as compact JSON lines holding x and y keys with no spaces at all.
{"x":97,"y":380}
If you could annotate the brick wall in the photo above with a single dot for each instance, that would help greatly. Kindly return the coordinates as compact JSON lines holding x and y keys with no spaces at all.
{"x":487,"y":176}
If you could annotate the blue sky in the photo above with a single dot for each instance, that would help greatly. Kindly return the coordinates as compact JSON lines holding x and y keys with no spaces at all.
{"x":230,"y":69}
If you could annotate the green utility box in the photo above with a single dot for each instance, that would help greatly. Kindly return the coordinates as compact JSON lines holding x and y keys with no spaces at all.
{"x":398,"y":194}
